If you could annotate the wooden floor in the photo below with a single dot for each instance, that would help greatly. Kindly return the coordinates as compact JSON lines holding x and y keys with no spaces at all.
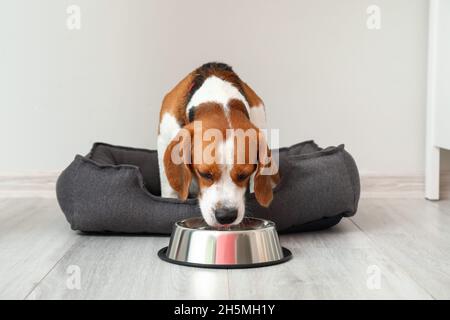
{"x":391,"y":249}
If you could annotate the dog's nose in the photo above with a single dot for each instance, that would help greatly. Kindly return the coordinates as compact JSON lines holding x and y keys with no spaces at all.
{"x":226,"y":215}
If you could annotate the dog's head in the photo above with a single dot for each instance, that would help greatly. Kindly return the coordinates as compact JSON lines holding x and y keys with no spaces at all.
{"x":222,"y":157}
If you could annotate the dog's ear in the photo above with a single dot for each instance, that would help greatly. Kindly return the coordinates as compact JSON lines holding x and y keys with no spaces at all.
{"x":267,"y":175}
{"x":177,"y":160}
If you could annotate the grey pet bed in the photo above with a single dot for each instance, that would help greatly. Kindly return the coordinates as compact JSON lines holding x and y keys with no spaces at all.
{"x":117,"y":189}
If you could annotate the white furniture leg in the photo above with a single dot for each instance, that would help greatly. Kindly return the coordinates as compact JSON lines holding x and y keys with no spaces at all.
{"x":432,"y":153}
{"x":432,"y":170}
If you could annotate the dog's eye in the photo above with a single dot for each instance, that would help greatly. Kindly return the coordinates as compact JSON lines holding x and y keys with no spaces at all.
{"x":242,"y":176}
{"x":206,"y":175}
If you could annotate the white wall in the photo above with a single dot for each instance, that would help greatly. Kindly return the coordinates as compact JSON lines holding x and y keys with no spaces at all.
{"x":321,"y":72}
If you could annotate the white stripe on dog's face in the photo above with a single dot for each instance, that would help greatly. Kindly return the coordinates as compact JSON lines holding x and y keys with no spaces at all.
{"x":223,"y":192}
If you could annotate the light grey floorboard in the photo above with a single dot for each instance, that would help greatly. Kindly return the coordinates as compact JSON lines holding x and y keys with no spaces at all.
{"x":442,"y":205}
{"x":413,"y":233}
{"x":407,"y":240}
{"x":127,"y":267}
{"x":331,"y":264}
{"x":33,"y":237}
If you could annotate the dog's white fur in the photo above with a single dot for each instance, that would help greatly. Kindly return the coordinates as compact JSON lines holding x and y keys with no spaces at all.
{"x":216,"y":90}
{"x":224,"y":191}
{"x":168,"y":129}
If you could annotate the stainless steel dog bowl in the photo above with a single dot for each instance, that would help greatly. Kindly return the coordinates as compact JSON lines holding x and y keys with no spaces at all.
{"x":252,"y":243}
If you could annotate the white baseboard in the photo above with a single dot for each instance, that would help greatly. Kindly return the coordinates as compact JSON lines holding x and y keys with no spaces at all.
{"x":28,"y":185}
{"x":42,"y":185}
{"x":374,"y":186}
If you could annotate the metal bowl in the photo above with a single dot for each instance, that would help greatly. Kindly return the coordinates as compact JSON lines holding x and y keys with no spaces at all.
{"x":252,"y":243}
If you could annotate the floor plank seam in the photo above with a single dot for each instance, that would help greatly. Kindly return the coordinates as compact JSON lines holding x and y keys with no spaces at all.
{"x":49,"y":271}
{"x":391,"y":259}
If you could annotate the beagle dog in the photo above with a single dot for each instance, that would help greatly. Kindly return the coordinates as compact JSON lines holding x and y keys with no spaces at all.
{"x":211,"y":144}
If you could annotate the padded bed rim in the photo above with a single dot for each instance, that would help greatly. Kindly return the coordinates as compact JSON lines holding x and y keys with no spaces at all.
{"x":139,"y":176}
{"x":320,"y":152}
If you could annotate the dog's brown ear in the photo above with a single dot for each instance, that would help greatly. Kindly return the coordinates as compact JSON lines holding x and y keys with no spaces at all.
{"x":177,"y":159}
{"x":267,"y":175}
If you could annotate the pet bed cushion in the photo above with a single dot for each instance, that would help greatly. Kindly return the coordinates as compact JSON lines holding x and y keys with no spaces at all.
{"x":117,"y":189}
